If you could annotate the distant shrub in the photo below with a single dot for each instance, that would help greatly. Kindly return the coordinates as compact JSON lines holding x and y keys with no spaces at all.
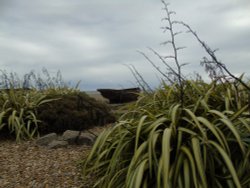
{"x":32,"y":80}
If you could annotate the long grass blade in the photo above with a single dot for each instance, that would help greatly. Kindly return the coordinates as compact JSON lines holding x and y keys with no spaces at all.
{"x":138,"y":130}
{"x":230,"y":125}
{"x":192,"y":164}
{"x":186,"y":174}
{"x":139,"y":174}
{"x":228,"y":162}
{"x":196,"y":145}
{"x":212,"y":128}
{"x":166,"y":149}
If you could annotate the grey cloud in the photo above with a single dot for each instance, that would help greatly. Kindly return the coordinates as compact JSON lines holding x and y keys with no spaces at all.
{"x":91,"y":40}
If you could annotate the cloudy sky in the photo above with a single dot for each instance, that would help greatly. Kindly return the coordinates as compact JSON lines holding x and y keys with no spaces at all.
{"x":93,"y":41}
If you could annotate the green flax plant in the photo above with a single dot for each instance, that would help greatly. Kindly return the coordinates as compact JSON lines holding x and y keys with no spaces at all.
{"x":18,"y":114}
{"x":21,"y":97}
{"x":155,"y":145}
{"x":186,"y":134}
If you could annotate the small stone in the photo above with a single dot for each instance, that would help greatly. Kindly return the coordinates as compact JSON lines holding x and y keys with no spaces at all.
{"x":57,"y":144}
{"x":45,"y":140}
{"x":86,"y":139}
{"x":70,"y":136}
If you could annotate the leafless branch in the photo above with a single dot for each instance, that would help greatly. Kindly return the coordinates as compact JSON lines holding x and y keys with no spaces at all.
{"x":177,"y":33}
{"x":175,"y":49}
{"x":169,"y":57}
{"x":180,"y":48}
{"x":166,"y":42}
{"x":156,"y":67}
{"x":139,"y":79}
{"x":215,"y":62}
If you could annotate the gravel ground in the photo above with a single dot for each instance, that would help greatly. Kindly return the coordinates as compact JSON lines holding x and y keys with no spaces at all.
{"x":25,"y":165}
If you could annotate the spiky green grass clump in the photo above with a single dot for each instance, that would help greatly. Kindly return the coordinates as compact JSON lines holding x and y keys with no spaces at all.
{"x":204,"y":142}
{"x":18,"y":112}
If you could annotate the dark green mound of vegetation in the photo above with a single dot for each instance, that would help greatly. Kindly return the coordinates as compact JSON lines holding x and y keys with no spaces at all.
{"x":74,"y":111}
{"x":27,"y":113}
{"x":35,"y":105}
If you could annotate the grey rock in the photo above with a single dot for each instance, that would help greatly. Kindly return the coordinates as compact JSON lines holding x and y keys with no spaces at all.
{"x":45,"y":140}
{"x":70,"y":136}
{"x":86,"y":139}
{"x":57,"y":144}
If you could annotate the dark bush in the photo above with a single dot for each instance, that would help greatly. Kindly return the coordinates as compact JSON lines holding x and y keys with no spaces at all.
{"x":74,"y":111}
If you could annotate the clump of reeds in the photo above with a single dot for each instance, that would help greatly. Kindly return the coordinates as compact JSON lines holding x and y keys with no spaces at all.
{"x":187,"y":133}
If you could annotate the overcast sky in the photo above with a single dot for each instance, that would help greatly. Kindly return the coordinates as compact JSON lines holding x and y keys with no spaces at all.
{"x":92,"y":41}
